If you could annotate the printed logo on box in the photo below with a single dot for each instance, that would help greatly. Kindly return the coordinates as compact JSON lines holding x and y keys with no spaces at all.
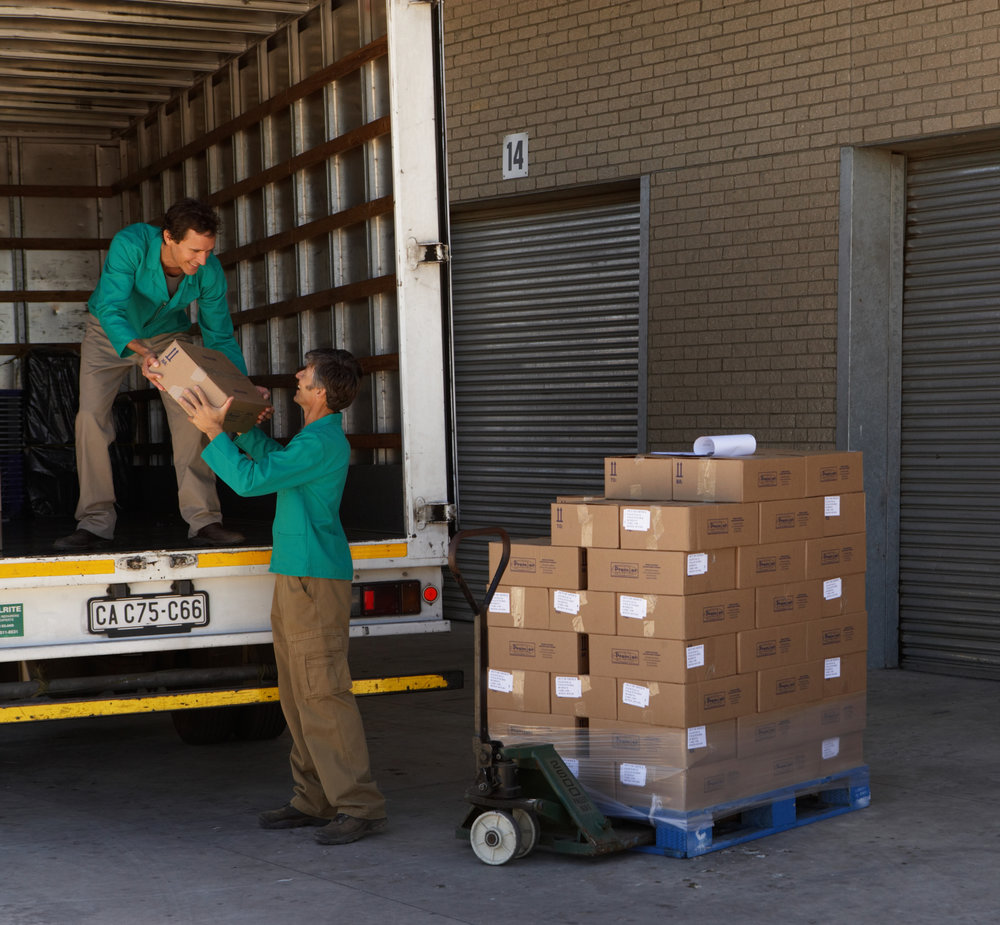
{"x":714,"y":701}
{"x":767,"y":479}
{"x":831,"y":637}
{"x":784,"y":522}
{"x":716,"y":614}
{"x":786,"y":686}
{"x":522,"y":565}
{"x":767,"y":648}
{"x":521,"y":649}
{"x":624,"y":570}
{"x":767,"y":564}
{"x":830,"y":557}
{"x":718,"y":526}
{"x":625,"y":657}
{"x":828,"y":474}
{"x":781,"y":604}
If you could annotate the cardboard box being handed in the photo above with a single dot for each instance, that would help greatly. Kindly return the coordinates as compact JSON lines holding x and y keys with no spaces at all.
{"x":185,"y":365}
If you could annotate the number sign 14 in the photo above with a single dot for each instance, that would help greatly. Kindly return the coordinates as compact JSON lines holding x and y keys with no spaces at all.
{"x":515,"y":156}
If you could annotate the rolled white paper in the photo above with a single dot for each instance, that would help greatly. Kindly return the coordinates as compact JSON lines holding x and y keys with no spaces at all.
{"x":726,"y":445}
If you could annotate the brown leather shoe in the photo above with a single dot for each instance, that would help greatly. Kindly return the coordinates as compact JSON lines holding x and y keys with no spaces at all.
{"x":218,"y":535}
{"x":80,"y":540}
{"x":288,"y":817}
{"x":345,"y":829}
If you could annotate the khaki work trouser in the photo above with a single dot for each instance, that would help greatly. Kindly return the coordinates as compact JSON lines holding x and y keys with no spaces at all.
{"x":102,"y":372}
{"x":310,"y":619}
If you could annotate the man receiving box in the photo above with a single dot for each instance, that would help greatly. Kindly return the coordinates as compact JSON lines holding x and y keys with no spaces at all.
{"x":311,"y":607}
{"x":141,"y":304}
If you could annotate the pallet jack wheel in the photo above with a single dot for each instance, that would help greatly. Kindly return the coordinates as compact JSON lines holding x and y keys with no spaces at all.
{"x":495,"y":837}
{"x":529,"y":828}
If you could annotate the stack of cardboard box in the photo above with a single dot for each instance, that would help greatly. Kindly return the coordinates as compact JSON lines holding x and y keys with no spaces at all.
{"x":695,"y":636}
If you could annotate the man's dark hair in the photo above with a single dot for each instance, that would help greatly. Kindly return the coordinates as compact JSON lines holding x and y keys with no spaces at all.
{"x":190,"y":215}
{"x":338,"y":372}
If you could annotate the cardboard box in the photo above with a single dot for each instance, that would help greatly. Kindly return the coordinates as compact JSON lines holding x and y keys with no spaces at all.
{"x":771,"y":564}
{"x":832,"y":473}
{"x":772,"y":647}
{"x":839,"y":635}
{"x":675,"y":661}
{"x":511,"y":727}
{"x":678,"y":747}
{"x":537,"y":650}
{"x":791,"y":519}
{"x":795,"y":602}
{"x":785,"y":728}
{"x":843,"y":514}
{"x":835,"y":556}
{"x":845,"y":674}
{"x":536,"y":563}
{"x":690,"y":616}
{"x":582,"y":611}
{"x":843,"y":595}
{"x":514,"y":689}
{"x":648,"y":571}
{"x":645,"y":786}
{"x":585,"y":696}
{"x":513,"y":605}
{"x":760,"y":477}
{"x":183,"y":366}
{"x":687,"y":525}
{"x":657,"y":703}
{"x":583,"y":521}
{"x":789,"y":686}
{"x":638,"y":478}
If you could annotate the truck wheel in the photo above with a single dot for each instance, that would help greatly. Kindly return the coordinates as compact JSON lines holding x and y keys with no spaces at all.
{"x":207,"y":726}
{"x":258,"y":721}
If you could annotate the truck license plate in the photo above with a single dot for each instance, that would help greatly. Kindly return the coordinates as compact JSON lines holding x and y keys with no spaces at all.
{"x":147,"y":614}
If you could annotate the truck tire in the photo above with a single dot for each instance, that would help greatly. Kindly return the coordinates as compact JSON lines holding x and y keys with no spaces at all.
{"x":258,"y":721}
{"x":207,"y":726}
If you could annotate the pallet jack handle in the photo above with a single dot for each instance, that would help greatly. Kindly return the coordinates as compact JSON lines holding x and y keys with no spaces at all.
{"x":482,"y":650}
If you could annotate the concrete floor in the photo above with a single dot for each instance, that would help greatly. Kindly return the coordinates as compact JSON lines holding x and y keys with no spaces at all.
{"x":116,"y":821}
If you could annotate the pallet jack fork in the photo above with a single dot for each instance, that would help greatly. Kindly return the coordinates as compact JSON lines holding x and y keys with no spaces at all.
{"x":524,"y":796}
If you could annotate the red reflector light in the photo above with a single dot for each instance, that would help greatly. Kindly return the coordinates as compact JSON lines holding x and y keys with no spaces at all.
{"x":430,"y":594}
{"x":369,"y":604}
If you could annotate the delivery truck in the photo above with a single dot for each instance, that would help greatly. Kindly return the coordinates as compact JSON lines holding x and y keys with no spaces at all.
{"x":314,"y":129}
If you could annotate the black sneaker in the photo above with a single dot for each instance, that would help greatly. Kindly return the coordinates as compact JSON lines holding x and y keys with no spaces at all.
{"x":288,"y":817}
{"x":80,"y":540}
{"x":345,"y":829}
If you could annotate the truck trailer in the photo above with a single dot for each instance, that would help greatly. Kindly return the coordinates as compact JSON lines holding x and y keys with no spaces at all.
{"x":314,"y":129}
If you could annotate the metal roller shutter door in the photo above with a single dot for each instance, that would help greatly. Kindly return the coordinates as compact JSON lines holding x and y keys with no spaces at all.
{"x":949,"y":602}
{"x":546,"y":361}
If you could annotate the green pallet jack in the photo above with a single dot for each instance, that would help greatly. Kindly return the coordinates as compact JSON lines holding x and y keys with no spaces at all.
{"x":524,"y":796}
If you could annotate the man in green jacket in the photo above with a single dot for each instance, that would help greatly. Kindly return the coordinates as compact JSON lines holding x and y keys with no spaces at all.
{"x":151,"y":279}
{"x":311,"y":607}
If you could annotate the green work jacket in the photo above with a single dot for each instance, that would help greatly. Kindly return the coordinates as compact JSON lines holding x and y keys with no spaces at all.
{"x":132,"y":302}
{"x":308,"y":475}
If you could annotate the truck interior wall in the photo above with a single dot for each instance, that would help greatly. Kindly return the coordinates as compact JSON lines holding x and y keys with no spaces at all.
{"x":290,"y":143}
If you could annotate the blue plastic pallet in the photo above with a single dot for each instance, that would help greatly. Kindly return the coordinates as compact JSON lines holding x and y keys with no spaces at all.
{"x":690,"y":834}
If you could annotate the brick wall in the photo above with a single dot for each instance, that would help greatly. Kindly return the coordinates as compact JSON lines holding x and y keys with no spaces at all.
{"x":737,"y":113}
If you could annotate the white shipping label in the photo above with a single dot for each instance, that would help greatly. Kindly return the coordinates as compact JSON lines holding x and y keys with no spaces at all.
{"x":501,"y":681}
{"x":635,"y":695}
{"x":632,"y":607}
{"x":698,"y":563}
{"x":574,"y":766}
{"x":696,"y":656}
{"x":632,"y":775}
{"x":571,"y":688}
{"x":635,"y":519}
{"x":831,"y":747}
{"x":831,"y":668}
{"x":697,"y":737}
{"x":833,"y":588}
{"x":566,"y":602}
{"x":500,"y":602}
{"x":831,"y":506}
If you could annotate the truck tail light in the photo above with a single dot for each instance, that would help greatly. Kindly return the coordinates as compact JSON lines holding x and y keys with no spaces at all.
{"x":389,"y":598}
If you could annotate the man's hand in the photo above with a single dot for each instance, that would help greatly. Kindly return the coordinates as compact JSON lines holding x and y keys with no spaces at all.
{"x":207,"y":419}
{"x":269,"y":410}
{"x":150,"y":362}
